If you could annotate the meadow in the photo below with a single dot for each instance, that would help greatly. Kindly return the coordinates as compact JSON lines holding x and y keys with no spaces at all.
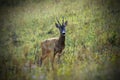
{"x":92,"y":50}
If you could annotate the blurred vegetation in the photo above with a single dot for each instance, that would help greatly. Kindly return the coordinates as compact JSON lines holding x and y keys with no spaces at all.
{"x":92,"y":40}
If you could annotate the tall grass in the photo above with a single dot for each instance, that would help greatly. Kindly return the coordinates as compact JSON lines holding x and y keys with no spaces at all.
{"x":92,"y":40}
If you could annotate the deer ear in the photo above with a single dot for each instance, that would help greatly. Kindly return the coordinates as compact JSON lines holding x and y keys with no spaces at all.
{"x":66,"y":22}
{"x":56,"y":25}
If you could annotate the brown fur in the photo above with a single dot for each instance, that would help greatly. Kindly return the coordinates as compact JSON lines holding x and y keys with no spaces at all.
{"x":52,"y":45}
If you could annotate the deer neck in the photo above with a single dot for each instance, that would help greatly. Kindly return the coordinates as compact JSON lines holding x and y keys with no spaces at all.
{"x":61,"y":40}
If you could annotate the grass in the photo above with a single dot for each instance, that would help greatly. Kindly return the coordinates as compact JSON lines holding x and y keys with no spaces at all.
{"x":92,"y":40}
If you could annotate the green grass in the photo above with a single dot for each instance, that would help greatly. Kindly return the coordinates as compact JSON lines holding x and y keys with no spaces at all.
{"x":92,"y":40}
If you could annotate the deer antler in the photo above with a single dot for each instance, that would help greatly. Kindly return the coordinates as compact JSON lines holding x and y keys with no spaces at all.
{"x":63,"y":21}
{"x":58,"y":21}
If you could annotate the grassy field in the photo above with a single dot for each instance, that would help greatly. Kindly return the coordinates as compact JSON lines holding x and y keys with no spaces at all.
{"x":92,"y":49}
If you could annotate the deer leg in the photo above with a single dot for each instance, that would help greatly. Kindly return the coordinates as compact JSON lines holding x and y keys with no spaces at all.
{"x":59,"y":55}
{"x":41,"y":59}
{"x":40,"y":62}
{"x":53,"y":60}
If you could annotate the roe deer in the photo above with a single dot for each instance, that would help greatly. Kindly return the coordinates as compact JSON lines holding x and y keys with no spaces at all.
{"x":55,"y":45}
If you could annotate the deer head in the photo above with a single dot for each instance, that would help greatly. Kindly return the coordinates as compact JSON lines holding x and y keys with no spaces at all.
{"x":61,"y":27}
